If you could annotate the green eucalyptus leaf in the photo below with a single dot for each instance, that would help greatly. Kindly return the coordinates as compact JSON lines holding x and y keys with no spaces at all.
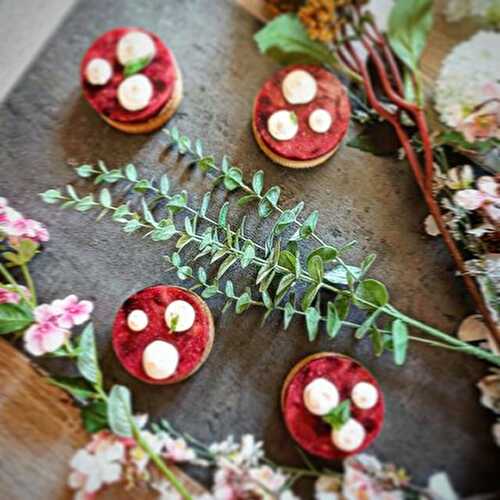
{"x":371,"y":293}
{"x":288,"y":315}
{"x":310,"y":295}
{"x":210,"y":291}
{"x":177,"y":202}
{"x":229,"y":289}
{"x":316,"y":268}
{"x":248,"y":253}
{"x":223,"y":214}
{"x":243,"y":303}
{"x":164,"y":185}
{"x":377,"y":341}
{"x":233,"y":179}
{"x":284,"y":285}
{"x":312,"y":323}
{"x":226,"y":264}
{"x":87,"y":362}
{"x":258,"y":182}
{"x":14,"y":317}
{"x":333,"y":321}
{"x":308,"y":227}
{"x":205,"y":203}
{"x":244,"y":200}
{"x":284,"y":221}
{"x":288,"y":260}
{"x":120,"y":411}
{"x":184,"y":240}
{"x":51,"y":196}
{"x":342,"y":305}
{"x":84,"y":171}
{"x":339,"y":276}
{"x":363,"y":329}
{"x":131,"y":226}
{"x":327,"y":253}
{"x":399,"y":341}
{"x":131,"y":172}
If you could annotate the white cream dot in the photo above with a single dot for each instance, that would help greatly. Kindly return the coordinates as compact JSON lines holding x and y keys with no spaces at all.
{"x":299,"y":87}
{"x":160,"y":359}
{"x":98,"y":71}
{"x":320,"y":121}
{"x":133,"y":46}
{"x":179,"y":315}
{"x":135,"y":92}
{"x":137,"y":320}
{"x":320,"y":396}
{"x":364,"y":395}
{"x":283,"y":125}
{"x":349,"y":437}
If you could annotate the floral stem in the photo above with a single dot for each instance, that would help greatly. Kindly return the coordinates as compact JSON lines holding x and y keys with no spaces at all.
{"x":29,"y":283}
{"x":10,"y":279}
{"x":162,"y":467}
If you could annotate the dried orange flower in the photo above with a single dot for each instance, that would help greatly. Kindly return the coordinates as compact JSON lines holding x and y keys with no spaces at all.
{"x":324,"y":18}
{"x":281,"y":6}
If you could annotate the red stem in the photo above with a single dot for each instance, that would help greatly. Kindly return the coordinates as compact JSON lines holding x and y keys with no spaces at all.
{"x":424,"y":181}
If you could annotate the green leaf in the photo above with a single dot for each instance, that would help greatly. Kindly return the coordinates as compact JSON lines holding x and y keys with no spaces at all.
{"x":243,"y":303}
{"x":367,"y":263}
{"x":310,"y":295}
{"x":269,"y":202}
{"x":244,"y":200}
{"x":210,"y":291}
{"x":229,"y":289}
{"x":95,"y":416}
{"x":164,"y":185}
{"x":14,"y":317}
{"x":288,"y":315}
{"x":312,"y":322}
{"x":131,"y":226}
{"x":233,"y":179}
{"x":286,"y":40}
{"x":87,"y":362}
{"x":177,"y":202}
{"x":316,"y":268}
{"x":308,"y":227}
{"x":377,"y":341}
{"x":399,"y":341}
{"x":333,"y":321}
{"x":78,"y":387}
{"x":343,"y":304}
{"x":142,"y":186}
{"x":105,"y":198}
{"x":327,"y":253}
{"x":363,"y":329}
{"x":120,"y":411}
{"x":248,"y":253}
{"x":131,"y":172}
{"x":258,"y":182}
{"x":84,"y":171}
{"x":25,"y":250}
{"x":163,"y":232}
{"x":226,"y":264}
{"x":205,"y":203}
{"x":408,"y":28}
{"x":372,"y":291}
{"x":338,"y":275}
{"x":284,"y":285}
{"x":51,"y":196}
{"x":135,"y":66}
{"x":339,"y":415}
{"x":184,"y":240}
{"x":284,"y":221}
{"x":223,"y":214}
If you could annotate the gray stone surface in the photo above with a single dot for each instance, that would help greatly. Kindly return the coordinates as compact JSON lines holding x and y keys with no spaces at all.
{"x":433,"y":422}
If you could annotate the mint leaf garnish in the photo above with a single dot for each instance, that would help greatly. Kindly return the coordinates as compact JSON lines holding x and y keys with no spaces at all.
{"x":339,"y":415}
{"x":135,"y":66}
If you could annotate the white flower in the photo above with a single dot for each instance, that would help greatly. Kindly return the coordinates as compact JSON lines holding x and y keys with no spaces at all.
{"x":288,"y":495}
{"x":456,"y":10}
{"x":177,"y":450}
{"x":430,"y":226}
{"x":270,"y":479}
{"x":328,"y":488}
{"x":467,"y":89}
{"x":93,"y":470}
{"x":250,"y":451}
{"x":460,"y":177}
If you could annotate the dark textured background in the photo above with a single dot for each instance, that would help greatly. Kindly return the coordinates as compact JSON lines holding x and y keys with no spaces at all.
{"x":433,"y":417}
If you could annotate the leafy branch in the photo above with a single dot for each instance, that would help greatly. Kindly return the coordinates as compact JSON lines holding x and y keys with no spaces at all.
{"x":280,"y":270}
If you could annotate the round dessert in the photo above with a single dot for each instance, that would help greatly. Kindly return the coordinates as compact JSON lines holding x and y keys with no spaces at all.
{"x":131,"y":79}
{"x":163,"y":334}
{"x":312,"y":396}
{"x":300,"y":116}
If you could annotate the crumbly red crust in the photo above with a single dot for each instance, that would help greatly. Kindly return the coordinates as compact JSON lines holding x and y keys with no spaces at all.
{"x":310,"y":431}
{"x":193,"y":345}
{"x":307,"y":144}
{"x":103,"y":98}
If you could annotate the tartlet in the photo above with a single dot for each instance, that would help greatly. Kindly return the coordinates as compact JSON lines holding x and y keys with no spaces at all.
{"x":146,"y":318}
{"x":157,"y":78}
{"x":318,"y":117}
{"x":309,"y":429}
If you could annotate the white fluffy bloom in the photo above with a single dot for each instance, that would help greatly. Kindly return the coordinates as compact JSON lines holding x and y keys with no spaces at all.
{"x":489,"y":10}
{"x":468,"y":86}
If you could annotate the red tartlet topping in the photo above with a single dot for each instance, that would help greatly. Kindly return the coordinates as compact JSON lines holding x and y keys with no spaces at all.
{"x":191,"y":344}
{"x":310,"y":431}
{"x":307,"y":144}
{"x":103,"y":98}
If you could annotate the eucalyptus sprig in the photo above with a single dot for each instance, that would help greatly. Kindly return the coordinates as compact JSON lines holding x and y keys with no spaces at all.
{"x":280,"y":271}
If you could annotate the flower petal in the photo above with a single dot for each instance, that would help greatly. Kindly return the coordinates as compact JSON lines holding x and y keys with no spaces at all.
{"x":470,"y":199}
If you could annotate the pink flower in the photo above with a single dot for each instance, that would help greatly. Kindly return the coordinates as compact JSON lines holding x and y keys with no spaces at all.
{"x":485,"y":197}
{"x":45,"y":337}
{"x":483,"y":123}
{"x":72,"y":312}
{"x":11,"y":296}
{"x":16,"y":227}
